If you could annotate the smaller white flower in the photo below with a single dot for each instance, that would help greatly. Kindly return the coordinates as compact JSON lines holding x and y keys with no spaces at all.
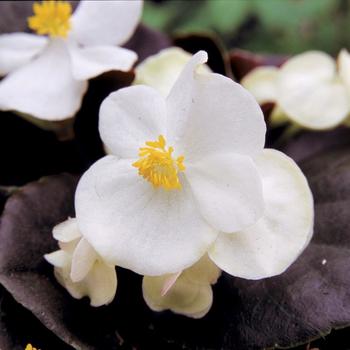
{"x":187,"y":293}
{"x":309,"y":89}
{"x":79,"y":269}
{"x":160,"y":71}
{"x":46,"y":77}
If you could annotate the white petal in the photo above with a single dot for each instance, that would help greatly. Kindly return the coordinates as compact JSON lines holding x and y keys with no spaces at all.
{"x":203,"y":312}
{"x":69,"y":247}
{"x":202,"y":272}
{"x":309,"y":92}
{"x":133,"y":225}
{"x":83,"y":260}
{"x":261,"y":82}
{"x":66,"y":231}
{"x":130,"y":117}
{"x":99,"y":285}
{"x":209,"y":114}
{"x":90,"y":62}
{"x":270,"y":246}
{"x":17,"y":49}
{"x":311,"y":67}
{"x":320,"y":106}
{"x":228,"y":191}
{"x":190,"y":299}
{"x":180,"y":97}
{"x":74,"y":289}
{"x":105,"y":22}
{"x":59,"y":258}
{"x":161,"y":71}
{"x":308,"y":66}
{"x":45,"y":87}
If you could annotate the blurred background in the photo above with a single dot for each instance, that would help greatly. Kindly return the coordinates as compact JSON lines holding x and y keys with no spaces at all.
{"x":275,"y":26}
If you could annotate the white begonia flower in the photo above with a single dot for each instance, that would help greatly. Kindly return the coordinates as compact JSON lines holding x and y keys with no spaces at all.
{"x":157,"y":209}
{"x":308,"y":89}
{"x":181,"y":171}
{"x":187,"y":293}
{"x":160,"y":71}
{"x":79,"y":269}
{"x":46,"y":77}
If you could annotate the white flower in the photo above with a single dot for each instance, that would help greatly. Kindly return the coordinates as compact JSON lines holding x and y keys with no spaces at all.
{"x":188,"y":175}
{"x":47,"y":76}
{"x":188,"y":292}
{"x":308,"y":89}
{"x":79,"y":269}
{"x":160,"y":71}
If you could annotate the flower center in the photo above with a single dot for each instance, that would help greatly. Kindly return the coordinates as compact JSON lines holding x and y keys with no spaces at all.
{"x":157,"y":165}
{"x":30,"y":347}
{"x":51,"y":18}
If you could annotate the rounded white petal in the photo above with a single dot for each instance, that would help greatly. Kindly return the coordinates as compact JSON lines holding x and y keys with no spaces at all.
{"x":185,"y":298}
{"x":66,"y":231}
{"x":89,"y":62}
{"x":210,"y":114}
{"x":131,"y":224}
{"x":309,"y":92}
{"x":228,"y":191}
{"x":270,"y":246}
{"x":105,"y":22}
{"x":261,"y":83}
{"x":160,"y":71}
{"x":17,"y":49}
{"x":45,"y":87}
{"x":308,"y":66}
{"x":130,"y":117}
{"x":320,"y":106}
{"x":83,"y":259}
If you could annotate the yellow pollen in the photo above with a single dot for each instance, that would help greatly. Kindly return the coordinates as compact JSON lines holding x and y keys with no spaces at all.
{"x":157,"y":165}
{"x":30,"y":347}
{"x":51,"y":18}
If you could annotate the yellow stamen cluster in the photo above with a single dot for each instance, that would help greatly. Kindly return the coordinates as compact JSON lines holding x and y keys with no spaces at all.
{"x":51,"y":18}
{"x":157,"y":165}
{"x":30,"y":347}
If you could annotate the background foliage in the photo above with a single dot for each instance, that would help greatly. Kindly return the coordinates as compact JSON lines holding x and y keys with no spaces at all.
{"x":279,"y":26}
